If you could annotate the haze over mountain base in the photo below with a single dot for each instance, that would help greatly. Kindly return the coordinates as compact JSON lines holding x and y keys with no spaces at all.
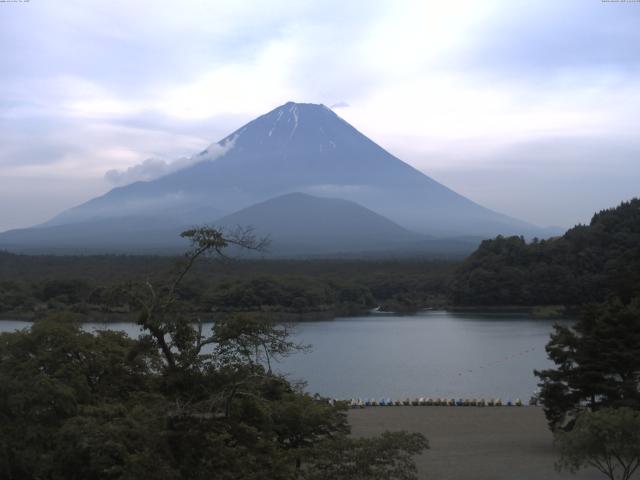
{"x":299,"y":174}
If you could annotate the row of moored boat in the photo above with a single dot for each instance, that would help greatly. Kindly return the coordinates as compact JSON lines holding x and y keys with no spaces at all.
{"x":434,"y":402}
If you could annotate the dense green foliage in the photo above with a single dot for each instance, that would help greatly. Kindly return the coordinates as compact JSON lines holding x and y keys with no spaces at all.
{"x":74,"y":405}
{"x":177,"y":403}
{"x":389,"y":456}
{"x":587,"y":264}
{"x":608,"y":440}
{"x":288,"y":293}
{"x":32,"y":285}
{"x":597,"y":363}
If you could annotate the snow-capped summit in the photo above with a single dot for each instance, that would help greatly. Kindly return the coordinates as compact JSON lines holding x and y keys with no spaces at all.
{"x":299,"y":147}
{"x":289,"y":124}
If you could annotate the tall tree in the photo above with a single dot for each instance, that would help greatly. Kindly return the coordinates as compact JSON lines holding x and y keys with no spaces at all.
{"x":589,"y":263}
{"x":178,"y":403}
{"x":597,"y":363}
{"x":607,"y":440}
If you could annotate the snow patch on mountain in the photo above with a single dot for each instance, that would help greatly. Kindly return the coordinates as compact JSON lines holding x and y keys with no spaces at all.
{"x":297,"y":147}
{"x":294,"y":111}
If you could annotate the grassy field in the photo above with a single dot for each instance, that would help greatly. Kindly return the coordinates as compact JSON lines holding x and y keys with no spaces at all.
{"x":505,"y":443}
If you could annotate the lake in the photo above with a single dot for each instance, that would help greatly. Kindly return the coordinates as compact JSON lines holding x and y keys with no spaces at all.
{"x":430,"y":354}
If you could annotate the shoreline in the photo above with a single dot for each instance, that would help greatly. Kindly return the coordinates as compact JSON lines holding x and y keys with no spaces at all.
{"x":479,"y":443}
{"x":103,"y":317}
{"x":542,"y":312}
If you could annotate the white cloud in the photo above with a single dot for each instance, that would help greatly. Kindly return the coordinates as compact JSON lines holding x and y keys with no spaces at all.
{"x":147,"y":170}
{"x":153,"y":168}
{"x":255,"y":86}
{"x":448,"y":86}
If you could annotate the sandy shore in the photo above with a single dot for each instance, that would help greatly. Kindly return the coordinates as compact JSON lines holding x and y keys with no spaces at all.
{"x":503,"y":443}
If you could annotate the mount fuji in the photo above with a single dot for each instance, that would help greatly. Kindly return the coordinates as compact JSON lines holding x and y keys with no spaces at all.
{"x":296,"y":148}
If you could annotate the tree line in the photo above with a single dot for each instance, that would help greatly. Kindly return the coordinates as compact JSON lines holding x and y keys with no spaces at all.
{"x":591,"y":396}
{"x":31,"y":286}
{"x":177,"y":403}
{"x":589,"y":263}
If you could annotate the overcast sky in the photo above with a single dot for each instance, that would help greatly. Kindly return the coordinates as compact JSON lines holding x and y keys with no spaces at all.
{"x":527,"y":107}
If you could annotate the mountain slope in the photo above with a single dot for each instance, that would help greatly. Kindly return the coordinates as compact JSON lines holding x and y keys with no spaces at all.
{"x":297,"y":224}
{"x":302,"y":148}
{"x":133,"y":234}
{"x":301,"y":222}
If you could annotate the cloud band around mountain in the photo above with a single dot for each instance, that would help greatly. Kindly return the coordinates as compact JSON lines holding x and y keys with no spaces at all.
{"x":153,"y":168}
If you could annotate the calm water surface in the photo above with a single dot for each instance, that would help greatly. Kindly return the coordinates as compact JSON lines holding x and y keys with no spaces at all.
{"x":435,"y":354}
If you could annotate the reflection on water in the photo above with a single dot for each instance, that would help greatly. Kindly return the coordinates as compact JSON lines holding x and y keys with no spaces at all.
{"x":434,"y":354}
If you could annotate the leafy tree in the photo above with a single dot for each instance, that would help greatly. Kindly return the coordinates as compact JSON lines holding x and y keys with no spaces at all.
{"x":288,"y":288}
{"x":388,"y":457}
{"x":252,"y":339}
{"x":162,"y":308}
{"x":588,"y":263}
{"x":69,"y":291}
{"x":608,"y":440}
{"x":598,"y":363}
{"x":301,"y":422}
{"x":48,"y":377}
{"x":177,"y":403}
